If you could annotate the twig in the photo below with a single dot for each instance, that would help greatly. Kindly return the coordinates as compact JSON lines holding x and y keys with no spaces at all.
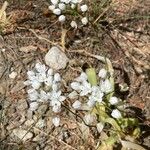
{"x":42,"y":38}
{"x":69,"y":146}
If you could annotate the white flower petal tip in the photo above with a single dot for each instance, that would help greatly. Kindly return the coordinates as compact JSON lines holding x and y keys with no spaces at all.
{"x":57,"y":77}
{"x":62,"y":18}
{"x":100,"y":127}
{"x":84,"y":21}
{"x":102,"y":73}
{"x":57,"y":11}
{"x":62,"y":6}
{"x":106,"y":86}
{"x":56,"y":121}
{"x":75,"y":86}
{"x":73,"y":24}
{"x":54,"y":2}
{"x":113,"y":100}
{"x":51,"y":7}
{"x":116,"y":114}
{"x":84,"y":8}
{"x":76,"y":105}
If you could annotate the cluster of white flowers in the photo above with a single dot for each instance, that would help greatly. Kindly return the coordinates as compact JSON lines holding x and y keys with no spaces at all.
{"x":59,"y":6}
{"x":94,"y":94}
{"x":45,"y":86}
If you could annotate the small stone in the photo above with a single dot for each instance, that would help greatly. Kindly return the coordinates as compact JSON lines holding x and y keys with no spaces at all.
{"x":23,"y":134}
{"x":56,"y":59}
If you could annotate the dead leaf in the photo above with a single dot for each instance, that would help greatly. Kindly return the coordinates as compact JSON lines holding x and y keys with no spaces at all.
{"x":28,"y":49}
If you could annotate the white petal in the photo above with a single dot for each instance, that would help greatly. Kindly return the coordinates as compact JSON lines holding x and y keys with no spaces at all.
{"x":116,"y":114}
{"x":84,"y":8}
{"x":54,"y":2}
{"x":76,"y":105}
{"x":57,"y":11}
{"x":113,"y":100}
{"x":88,"y":118}
{"x":62,"y":6}
{"x":102,"y":73}
{"x":73,"y":95}
{"x":84,"y":21}
{"x":73,"y":24}
{"x":56,"y":121}
{"x":51,"y":7}
{"x":57,"y":77}
{"x":13,"y":75}
{"x":75,"y":86}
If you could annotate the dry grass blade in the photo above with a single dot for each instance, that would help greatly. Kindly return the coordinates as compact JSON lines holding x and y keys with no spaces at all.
{"x":3,"y":19}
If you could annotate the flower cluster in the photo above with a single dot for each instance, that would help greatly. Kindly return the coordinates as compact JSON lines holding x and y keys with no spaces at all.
{"x":45,"y":87}
{"x":95,"y":94}
{"x":60,"y":6}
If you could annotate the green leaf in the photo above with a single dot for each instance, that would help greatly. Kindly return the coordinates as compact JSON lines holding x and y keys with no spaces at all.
{"x":91,"y":73}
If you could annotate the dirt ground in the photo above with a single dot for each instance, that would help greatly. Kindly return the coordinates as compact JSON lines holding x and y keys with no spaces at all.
{"x":122,"y":33}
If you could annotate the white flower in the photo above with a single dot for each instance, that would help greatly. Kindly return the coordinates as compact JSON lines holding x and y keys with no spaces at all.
{"x":33,"y":106}
{"x":35,"y":84}
{"x":56,"y":100}
{"x":40,"y":68}
{"x":54,"y":2}
{"x":100,"y":127}
{"x":106,"y":86}
{"x":50,"y":72}
{"x":116,"y":114}
{"x":74,"y":1}
{"x":33,"y":94}
{"x":56,"y":121}
{"x":85,"y":88}
{"x":76,"y":105}
{"x":73,"y":6}
{"x":75,"y":86}
{"x":84,"y":21}
{"x":49,"y":81}
{"x":62,"y":6}
{"x":97,"y":94}
{"x":102,"y":73}
{"x":83,"y":77}
{"x":13,"y":75}
{"x":113,"y":100}
{"x":67,"y":1}
{"x":62,"y":18}
{"x":73,"y":24}
{"x":88,"y":118}
{"x":27,"y":82}
{"x":54,"y":87}
{"x":30,"y":74}
{"x":51,"y":7}
{"x":57,"y":77}
{"x":57,"y":11}
{"x":84,"y":8}
{"x":43,"y":96}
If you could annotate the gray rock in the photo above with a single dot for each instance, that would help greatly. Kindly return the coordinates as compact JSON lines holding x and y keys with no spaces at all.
{"x":56,"y":59}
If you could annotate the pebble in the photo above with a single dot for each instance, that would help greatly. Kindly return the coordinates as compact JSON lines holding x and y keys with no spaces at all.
{"x":56,"y":59}
{"x":23,"y":134}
